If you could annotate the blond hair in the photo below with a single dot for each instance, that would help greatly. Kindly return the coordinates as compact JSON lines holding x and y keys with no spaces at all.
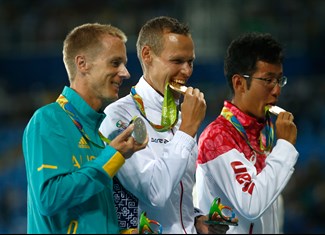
{"x":86,"y":38}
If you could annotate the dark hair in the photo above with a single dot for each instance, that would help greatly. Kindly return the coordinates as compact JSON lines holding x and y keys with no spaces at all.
{"x":244,"y":51}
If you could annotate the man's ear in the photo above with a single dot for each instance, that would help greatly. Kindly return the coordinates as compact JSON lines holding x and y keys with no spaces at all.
{"x":146,"y":54}
{"x":238,"y":83}
{"x":81,"y":63}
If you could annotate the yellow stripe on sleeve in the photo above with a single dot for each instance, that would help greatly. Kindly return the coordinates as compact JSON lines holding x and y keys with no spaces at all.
{"x":114,"y":164}
{"x":46,"y":166}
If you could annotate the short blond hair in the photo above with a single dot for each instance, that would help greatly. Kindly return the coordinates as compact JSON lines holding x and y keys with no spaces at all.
{"x":151,"y":33}
{"x":86,"y":38}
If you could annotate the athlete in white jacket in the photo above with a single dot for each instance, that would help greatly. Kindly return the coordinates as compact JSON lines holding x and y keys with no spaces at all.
{"x":162,"y":175}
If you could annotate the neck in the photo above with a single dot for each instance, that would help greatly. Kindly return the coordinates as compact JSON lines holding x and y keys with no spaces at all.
{"x":149,"y":81}
{"x":92,"y":101}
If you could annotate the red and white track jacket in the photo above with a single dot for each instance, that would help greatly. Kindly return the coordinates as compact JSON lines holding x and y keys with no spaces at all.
{"x":250,"y":184}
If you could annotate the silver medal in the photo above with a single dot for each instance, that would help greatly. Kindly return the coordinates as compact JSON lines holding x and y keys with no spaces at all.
{"x":140,"y":131}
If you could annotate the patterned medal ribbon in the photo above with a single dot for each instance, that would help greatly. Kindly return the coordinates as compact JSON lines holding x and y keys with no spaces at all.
{"x":69,"y":109}
{"x":268,"y":129}
{"x":169,"y":115}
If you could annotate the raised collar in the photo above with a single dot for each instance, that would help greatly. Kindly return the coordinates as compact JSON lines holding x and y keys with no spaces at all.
{"x":151,"y":98}
{"x":248,"y":122}
{"x":89,"y":118}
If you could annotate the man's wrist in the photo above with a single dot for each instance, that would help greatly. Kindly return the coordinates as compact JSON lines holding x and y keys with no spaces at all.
{"x":195,"y":222}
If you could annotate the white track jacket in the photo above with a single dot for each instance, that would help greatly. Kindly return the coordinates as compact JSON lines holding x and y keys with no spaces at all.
{"x":161,"y":176}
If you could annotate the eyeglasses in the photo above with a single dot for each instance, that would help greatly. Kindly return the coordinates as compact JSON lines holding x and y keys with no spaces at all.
{"x":271,"y":82}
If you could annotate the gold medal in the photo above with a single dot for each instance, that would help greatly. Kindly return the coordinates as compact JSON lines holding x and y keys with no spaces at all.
{"x":178,"y":87}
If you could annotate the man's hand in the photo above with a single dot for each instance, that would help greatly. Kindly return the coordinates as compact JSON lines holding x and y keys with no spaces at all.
{"x":286,"y":128}
{"x":204,"y":228}
{"x":193,"y":111}
{"x":125,"y":143}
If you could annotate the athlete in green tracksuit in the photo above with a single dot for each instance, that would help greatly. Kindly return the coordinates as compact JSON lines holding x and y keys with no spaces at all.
{"x":69,"y":167}
{"x":60,"y":197}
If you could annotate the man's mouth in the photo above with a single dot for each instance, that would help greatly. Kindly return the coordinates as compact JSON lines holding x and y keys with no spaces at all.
{"x":117,"y":84}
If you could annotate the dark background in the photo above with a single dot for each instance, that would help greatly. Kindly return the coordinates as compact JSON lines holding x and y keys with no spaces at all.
{"x":32,"y":74}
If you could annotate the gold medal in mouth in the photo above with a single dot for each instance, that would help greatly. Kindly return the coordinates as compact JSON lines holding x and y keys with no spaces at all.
{"x":178,"y":87}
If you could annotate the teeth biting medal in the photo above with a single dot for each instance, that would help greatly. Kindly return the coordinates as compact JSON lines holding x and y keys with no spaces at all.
{"x":178,"y":87}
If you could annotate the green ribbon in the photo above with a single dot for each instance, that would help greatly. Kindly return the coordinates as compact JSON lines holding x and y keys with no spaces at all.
{"x":169,"y":109}
{"x":169,"y":114}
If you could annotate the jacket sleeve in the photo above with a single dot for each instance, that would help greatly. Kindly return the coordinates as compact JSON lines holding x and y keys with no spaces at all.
{"x":57,"y":176}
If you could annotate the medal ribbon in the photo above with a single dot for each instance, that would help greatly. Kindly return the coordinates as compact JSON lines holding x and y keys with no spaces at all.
{"x":269,"y":131}
{"x":69,"y":109}
{"x":148,"y":226}
{"x":169,"y":115}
